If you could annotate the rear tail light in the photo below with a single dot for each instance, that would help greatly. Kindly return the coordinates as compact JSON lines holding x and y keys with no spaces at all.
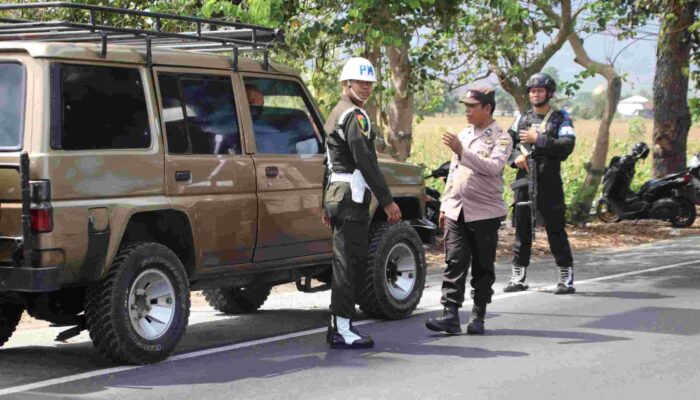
{"x":41,"y":209}
{"x":42,"y":220}
{"x":684,"y":179}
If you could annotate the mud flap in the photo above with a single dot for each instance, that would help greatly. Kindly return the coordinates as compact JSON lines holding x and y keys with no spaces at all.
{"x":94,"y":262}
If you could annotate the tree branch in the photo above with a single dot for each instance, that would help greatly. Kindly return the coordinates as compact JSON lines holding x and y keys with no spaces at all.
{"x":565,"y":28}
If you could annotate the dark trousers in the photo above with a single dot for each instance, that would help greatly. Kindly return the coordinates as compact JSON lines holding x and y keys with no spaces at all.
{"x":551,"y":207}
{"x":469,"y":242}
{"x":350,"y":224}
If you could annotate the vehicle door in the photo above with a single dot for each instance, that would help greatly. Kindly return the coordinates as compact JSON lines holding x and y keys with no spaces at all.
{"x":288,"y":155}
{"x":206,"y":171}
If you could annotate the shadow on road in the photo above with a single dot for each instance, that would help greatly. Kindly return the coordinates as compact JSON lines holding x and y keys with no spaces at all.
{"x":395,"y":340}
{"x":625,"y":295}
{"x":568,"y":336}
{"x":672,"y":321}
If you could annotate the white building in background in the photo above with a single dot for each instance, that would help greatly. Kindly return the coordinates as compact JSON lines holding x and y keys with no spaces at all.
{"x":635,"y":106}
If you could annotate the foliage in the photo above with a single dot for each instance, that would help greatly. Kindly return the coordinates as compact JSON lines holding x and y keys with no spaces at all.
{"x":586,"y":105}
{"x":430,"y":152}
{"x":694,"y":105}
{"x":430,"y":99}
{"x":637,"y":129}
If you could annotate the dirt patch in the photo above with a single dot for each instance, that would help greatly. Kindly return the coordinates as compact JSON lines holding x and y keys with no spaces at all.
{"x":593,"y":236}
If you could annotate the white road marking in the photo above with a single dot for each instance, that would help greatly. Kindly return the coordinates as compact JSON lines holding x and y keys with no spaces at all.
{"x":186,"y":356}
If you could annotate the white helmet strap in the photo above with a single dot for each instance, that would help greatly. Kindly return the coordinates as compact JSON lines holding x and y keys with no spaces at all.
{"x":355,"y":95}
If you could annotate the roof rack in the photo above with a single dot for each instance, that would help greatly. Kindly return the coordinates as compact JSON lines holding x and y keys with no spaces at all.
{"x":222,"y":35}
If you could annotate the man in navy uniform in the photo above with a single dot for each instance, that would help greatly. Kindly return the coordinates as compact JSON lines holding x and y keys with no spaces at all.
{"x":547,"y":135}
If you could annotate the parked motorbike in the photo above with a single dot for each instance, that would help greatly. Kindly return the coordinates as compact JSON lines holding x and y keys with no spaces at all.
{"x":671,"y":198}
{"x":694,"y":170}
{"x":432,"y":196}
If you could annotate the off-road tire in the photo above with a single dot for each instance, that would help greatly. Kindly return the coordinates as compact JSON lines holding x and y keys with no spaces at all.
{"x":107,"y":314}
{"x":688,"y":208}
{"x":237,"y":300}
{"x":376,"y":299}
{"x":10,"y":314}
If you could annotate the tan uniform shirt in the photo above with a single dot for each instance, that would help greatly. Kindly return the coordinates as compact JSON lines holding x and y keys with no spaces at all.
{"x":475,"y":181}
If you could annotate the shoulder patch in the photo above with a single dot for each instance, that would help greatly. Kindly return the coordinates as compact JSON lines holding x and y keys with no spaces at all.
{"x":566,"y":131}
{"x":362,"y":121}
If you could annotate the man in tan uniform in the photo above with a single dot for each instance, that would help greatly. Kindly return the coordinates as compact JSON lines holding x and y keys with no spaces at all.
{"x":472,"y":210}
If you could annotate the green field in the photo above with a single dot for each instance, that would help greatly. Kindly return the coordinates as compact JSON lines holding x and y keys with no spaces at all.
{"x":429,"y":151}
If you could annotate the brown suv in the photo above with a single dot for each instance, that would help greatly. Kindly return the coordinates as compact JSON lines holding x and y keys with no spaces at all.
{"x":132,"y":172}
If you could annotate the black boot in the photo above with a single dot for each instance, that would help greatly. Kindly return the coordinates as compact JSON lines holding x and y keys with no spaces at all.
{"x":448,"y":323}
{"x":476,"y":327}
{"x":342,"y":335}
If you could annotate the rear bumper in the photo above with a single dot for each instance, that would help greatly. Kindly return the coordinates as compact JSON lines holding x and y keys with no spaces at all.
{"x":22,"y":279}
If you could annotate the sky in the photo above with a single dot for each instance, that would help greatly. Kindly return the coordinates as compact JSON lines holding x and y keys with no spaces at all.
{"x":638,"y":61}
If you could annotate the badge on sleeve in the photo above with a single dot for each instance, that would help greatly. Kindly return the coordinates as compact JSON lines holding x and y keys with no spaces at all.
{"x":362,"y":122}
{"x":503,"y":145}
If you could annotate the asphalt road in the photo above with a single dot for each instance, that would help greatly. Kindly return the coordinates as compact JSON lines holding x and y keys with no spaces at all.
{"x":631,"y":331}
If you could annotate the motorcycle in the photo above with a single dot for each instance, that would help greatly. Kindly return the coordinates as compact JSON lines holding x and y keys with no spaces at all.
{"x":432,"y":196}
{"x":694,"y":170}
{"x":670,"y":198}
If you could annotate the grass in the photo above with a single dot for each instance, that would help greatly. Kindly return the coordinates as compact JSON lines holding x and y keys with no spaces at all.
{"x":429,"y":151}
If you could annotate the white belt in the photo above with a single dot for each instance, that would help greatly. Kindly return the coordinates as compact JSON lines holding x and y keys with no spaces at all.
{"x":357,"y":183}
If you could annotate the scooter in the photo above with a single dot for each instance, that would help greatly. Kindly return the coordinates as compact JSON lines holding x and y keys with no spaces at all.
{"x":694,"y":170}
{"x":671,"y":198}
{"x":432,"y":196}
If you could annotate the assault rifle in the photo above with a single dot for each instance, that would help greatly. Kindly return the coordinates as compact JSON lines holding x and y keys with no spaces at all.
{"x":531,"y":187}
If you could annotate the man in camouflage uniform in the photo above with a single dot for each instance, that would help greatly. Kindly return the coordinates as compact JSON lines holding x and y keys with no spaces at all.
{"x":472,"y":210}
{"x":547,"y":135}
{"x":351,"y":168}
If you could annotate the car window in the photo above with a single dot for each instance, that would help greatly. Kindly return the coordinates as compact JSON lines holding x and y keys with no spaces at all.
{"x":282,"y":119}
{"x":199,"y":114}
{"x":99,"y":108}
{"x":11,"y":105}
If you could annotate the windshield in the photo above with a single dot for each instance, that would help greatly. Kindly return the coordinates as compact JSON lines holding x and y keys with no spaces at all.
{"x":11,"y":105}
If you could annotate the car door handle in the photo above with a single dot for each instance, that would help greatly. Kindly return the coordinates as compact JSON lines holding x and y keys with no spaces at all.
{"x":183,"y":176}
{"x":271,"y":172}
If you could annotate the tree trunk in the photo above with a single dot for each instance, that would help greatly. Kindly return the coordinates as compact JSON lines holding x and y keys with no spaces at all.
{"x":671,"y":113}
{"x":400,"y":132}
{"x":519,"y":93}
{"x":596,"y":166}
{"x":373,"y":54}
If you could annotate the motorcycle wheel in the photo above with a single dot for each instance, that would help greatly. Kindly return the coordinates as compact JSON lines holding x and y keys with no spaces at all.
{"x":686,"y":214}
{"x":605,"y":213}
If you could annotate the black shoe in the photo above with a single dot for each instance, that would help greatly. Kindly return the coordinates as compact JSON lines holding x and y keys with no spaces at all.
{"x":448,"y":323}
{"x":342,"y":335}
{"x":563,"y":289}
{"x":566,"y":281}
{"x":515,"y":287}
{"x":476,"y":326}
{"x":517,"y":280}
